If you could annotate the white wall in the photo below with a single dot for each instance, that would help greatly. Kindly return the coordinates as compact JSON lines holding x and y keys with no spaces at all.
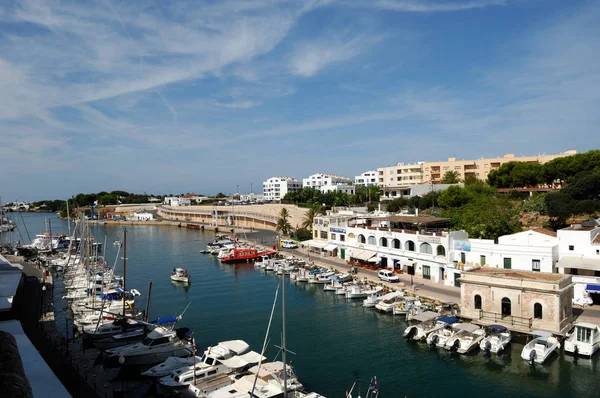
{"x":581,"y":240}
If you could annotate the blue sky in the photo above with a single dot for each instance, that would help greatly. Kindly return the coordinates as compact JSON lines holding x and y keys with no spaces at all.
{"x":205,"y":96}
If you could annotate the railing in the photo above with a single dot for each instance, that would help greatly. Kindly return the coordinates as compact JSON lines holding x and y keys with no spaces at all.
{"x":505,"y":319}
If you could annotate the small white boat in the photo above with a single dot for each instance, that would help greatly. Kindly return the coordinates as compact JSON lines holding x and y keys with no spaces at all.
{"x":180,"y":275}
{"x":496,"y":340}
{"x":333,"y":286}
{"x":466,"y":338}
{"x":431,"y":321}
{"x":361,"y":291}
{"x":540,"y":348}
{"x":117,"y":243}
{"x":372,"y":299}
{"x":584,"y":339}
{"x":404,"y":306}
{"x":389,"y":301}
{"x":322,"y":278}
{"x":172,"y":363}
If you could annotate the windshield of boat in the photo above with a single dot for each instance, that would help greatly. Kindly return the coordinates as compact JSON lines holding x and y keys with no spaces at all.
{"x":150,"y":341}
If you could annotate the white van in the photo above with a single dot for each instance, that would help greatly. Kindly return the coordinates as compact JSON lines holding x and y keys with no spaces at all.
{"x":388,"y":276}
{"x":289,"y":244}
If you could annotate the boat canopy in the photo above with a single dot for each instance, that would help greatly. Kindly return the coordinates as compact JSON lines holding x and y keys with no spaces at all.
{"x":240,"y":361}
{"x":425,"y":316}
{"x":469,"y":327}
{"x":592,"y":288}
{"x":541,"y":333}
{"x":160,"y":321}
{"x":498,"y":328}
{"x":235,"y":346}
{"x":448,"y":319}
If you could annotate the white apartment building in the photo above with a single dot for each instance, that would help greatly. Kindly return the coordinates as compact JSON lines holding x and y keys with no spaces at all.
{"x":365,"y":179}
{"x":579,"y":250}
{"x":408,"y":191}
{"x":345,"y":188}
{"x":275,"y":188}
{"x":400,"y":175}
{"x":175,"y":201}
{"x":320,"y":179}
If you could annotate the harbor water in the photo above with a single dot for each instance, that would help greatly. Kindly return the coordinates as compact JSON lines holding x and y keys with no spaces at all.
{"x":334,"y":340}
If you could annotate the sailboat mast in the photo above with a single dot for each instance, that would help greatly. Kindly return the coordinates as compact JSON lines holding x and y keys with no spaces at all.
{"x":124,"y":267}
{"x":68,"y":218}
{"x":283,"y":347}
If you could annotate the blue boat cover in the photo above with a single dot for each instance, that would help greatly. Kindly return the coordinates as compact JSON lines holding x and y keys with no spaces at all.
{"x":498,"y":328}
{"x":593,"y":288}
{"x":448,"y":319}
{"x":160,"y":321}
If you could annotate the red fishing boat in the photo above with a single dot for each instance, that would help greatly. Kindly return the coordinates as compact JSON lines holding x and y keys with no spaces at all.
{"x":245,"y":255}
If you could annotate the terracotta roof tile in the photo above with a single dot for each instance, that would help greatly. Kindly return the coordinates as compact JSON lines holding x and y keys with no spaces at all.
{"x":596,"y":240}
{"x":544,"y":231}
{"x":509,"y":273}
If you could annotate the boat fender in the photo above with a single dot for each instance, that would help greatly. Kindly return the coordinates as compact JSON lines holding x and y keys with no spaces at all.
{"x":121,"y":359}
{"x":434,"y":339}
{"x":488,"y":346}
{"x":576,"y":350}
{"x":456,"y":345}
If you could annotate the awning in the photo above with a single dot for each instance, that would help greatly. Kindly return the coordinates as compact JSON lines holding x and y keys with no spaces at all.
{"x":355,"y":253}
{"x":579,"y":263}
{"x":407,"y":262}
{"x":374,"y":260}
{"x":365,"y":255}
{"x":330,"y":247}
{"x":592,"y":288}
{"x":315,"y":243}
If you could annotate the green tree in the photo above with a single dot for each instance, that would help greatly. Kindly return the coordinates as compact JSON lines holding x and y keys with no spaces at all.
{"x":108,"y":200}
{"x":455,"y":197}
{"x":450,"y":177}
{"x":309,"y":217}
{"x":283,"y":223}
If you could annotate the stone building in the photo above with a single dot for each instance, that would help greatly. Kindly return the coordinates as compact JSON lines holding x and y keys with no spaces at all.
{"x":520,"y":300}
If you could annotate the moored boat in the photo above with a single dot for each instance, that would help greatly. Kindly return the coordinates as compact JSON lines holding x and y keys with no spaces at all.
{"x":180,"y":275}
{"x":584,"y":339}
{"x":540,"y":347}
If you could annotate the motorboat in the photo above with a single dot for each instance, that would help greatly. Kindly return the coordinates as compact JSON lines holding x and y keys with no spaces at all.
{"x":159,"y":345}
{"x":245,"y":255}
{"x":584,"y":339}
{"x":466,"y":339}
{"x":373,"y":299}
{"x":361,"y":291}
{"x":418,"y":308}
{"x":322,"y":278}
{"x":497,"y":339}
{"x":404,"y":306}
{"x":180,"y":275}
{"x":108,"y":330}
{"x":212,"y":364}
{"x":389,"y":301}
{"x":429,"y":322}
{"x":440,"y":336}
{"x":169,"y":365}
{"x":333,"y":286}
{"x":540,"y":347}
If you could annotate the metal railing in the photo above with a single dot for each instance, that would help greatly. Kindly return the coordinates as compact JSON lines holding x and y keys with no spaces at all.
{"x":506,"y":319}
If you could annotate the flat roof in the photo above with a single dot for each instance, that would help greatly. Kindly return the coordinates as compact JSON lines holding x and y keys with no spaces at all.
{"x":509,"y":273}
{"x":414,"y":219}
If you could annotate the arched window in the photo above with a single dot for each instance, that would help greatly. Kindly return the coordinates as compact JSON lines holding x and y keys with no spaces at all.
{"x":477,"y":302}
{"x":396,"y":244}
{"x":361,"y":239}
{"x":441,"y":251}
{"x":506,"y":307}
{"x":537,"y":311}
{"x":383,"y":242}
{"x":425,"y":248}
{"x":372,"y":240}
{"x":409,"y":245}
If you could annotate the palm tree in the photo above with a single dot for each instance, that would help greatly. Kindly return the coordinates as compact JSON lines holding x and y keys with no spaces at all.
{"x":309,"y":218}
{"x":451,"y":177}
{"x":283,"y":224}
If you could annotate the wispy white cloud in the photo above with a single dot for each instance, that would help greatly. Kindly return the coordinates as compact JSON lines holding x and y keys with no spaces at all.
{"x":310,"y":57}
{"x":239,"y":104}
{"x":436,"y":5}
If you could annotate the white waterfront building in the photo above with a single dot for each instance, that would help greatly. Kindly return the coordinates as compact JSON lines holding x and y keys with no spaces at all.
{"x":142,"y":216}
{"x":275,"y":188}
{"x":324,"y":180}
{"x":345,"y":188}
{"x":579,"y":251}
{"x":426,"y":246}
{"x":365,"y":179}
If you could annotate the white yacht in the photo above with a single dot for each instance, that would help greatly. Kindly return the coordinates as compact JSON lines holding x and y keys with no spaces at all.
{"x":389,"y":301}
{"x":466,"y":339}
{"x":180,"y":275}
{"x":159,"y":345}
{"x":172,"y":363}
{"x":373,"y":299}
{"x":540,"y":347}
{"x":496,"y":340}
{"x":430,"y":322}
{"x":361,"y":291}
{"x":584,"y":339}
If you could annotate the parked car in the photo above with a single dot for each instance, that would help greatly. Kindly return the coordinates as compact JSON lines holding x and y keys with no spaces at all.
{"x":388,"y":276}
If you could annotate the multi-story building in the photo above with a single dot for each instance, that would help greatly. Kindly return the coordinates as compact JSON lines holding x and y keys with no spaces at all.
{"x":345,"y":188}
{"x":275,"y":188}
{"x":367,"y":178}
{"x":320,"y":179}
{"x":579,"y":251}
{"x":480,"y":168}
{"x":400,"y":175}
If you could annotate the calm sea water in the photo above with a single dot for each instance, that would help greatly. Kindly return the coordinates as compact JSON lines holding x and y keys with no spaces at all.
{"x":335,"y":341}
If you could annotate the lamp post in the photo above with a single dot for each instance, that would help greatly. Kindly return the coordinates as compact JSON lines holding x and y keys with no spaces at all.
{"x":42,"y":306}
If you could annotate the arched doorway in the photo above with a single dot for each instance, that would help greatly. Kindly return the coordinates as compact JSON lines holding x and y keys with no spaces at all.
{"x":537,"y":311}
{"x":477,"y":302}
{"x":506,"y":307}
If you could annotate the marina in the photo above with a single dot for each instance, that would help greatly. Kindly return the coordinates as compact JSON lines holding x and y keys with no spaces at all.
{"x":336,"y":340}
